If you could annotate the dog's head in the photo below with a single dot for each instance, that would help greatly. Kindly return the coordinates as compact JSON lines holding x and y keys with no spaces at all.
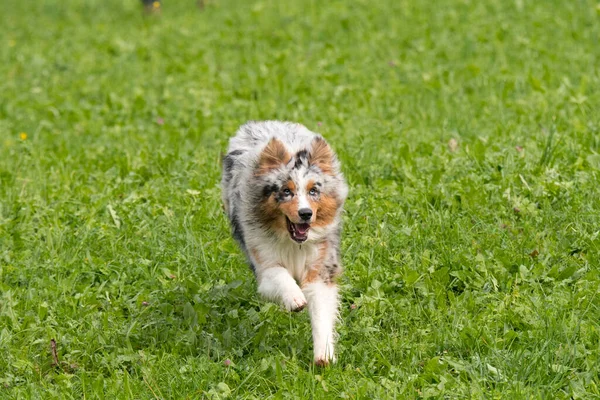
{"x":300,"y":193}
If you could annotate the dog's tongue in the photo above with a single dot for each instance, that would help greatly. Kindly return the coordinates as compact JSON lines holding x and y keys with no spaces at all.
{"x":302,"y":228}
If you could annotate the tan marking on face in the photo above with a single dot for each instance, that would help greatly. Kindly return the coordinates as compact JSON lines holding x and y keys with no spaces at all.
{"x":326,"y":208}
{"x":290,"y":209}
{"x":273,"y":156}
{"x":291,"y":185}
{"x":321,"y":156}
{"x":273,"y":213}
{"x":270,"y":215}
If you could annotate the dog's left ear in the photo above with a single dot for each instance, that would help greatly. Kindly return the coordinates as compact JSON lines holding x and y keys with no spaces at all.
{"x":321,"y":155}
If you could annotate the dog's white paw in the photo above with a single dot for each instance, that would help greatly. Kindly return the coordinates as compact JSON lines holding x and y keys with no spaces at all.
{"x":324,"y":353}
{"x":295,"y":302}
{"x":323,"y":360}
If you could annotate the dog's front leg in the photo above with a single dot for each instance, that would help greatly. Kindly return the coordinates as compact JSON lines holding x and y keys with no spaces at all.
{"x":276,"y":284}
{"x":323,"y":308}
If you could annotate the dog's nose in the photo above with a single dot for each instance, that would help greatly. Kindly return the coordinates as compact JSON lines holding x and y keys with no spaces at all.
{"x":305,"y":213}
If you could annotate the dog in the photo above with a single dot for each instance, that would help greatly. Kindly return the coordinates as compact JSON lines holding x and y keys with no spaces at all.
{"x":284,"y":192}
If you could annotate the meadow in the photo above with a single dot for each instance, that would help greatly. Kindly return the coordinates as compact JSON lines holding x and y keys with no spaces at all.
{"x":469,"y":133}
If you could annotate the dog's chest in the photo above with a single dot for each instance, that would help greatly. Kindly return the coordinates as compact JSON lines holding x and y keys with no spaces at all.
{"x":297,"y":259}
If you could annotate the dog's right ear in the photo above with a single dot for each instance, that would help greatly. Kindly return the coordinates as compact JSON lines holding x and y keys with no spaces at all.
{"x":273,"y":156}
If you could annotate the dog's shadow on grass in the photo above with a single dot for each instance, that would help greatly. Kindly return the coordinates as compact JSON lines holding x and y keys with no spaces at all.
{"x":222,"y":321}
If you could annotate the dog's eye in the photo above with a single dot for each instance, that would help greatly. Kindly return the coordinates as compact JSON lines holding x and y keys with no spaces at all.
{"x":313,"y":192}
{"x":287,"y":192}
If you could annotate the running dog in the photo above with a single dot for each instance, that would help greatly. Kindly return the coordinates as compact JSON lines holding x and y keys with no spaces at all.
{"x":283,"y":192}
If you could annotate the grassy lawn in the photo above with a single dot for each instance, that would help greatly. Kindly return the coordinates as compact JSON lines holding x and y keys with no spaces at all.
{"x":469,"y":132}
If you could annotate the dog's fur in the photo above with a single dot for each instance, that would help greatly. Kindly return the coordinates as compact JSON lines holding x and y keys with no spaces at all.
{"x":283,"y":192}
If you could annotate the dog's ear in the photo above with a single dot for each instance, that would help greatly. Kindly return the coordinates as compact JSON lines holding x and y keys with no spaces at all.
{"x":321,"y":155}
{"x":273,"y":156}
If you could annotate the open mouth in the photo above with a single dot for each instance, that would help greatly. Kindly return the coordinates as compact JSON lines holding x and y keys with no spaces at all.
{"x":298,"y":232}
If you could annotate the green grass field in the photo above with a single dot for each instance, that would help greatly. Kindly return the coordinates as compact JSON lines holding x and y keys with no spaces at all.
{"x":469,"y":133}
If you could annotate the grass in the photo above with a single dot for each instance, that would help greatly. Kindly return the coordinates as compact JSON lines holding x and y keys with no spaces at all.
{"x":470,"y":136}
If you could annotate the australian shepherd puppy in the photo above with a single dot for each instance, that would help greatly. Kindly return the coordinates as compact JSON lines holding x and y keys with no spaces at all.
{"x":283,"y":192}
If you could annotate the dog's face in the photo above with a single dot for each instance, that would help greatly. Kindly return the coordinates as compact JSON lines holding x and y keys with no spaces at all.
{"x":299,"y":193}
